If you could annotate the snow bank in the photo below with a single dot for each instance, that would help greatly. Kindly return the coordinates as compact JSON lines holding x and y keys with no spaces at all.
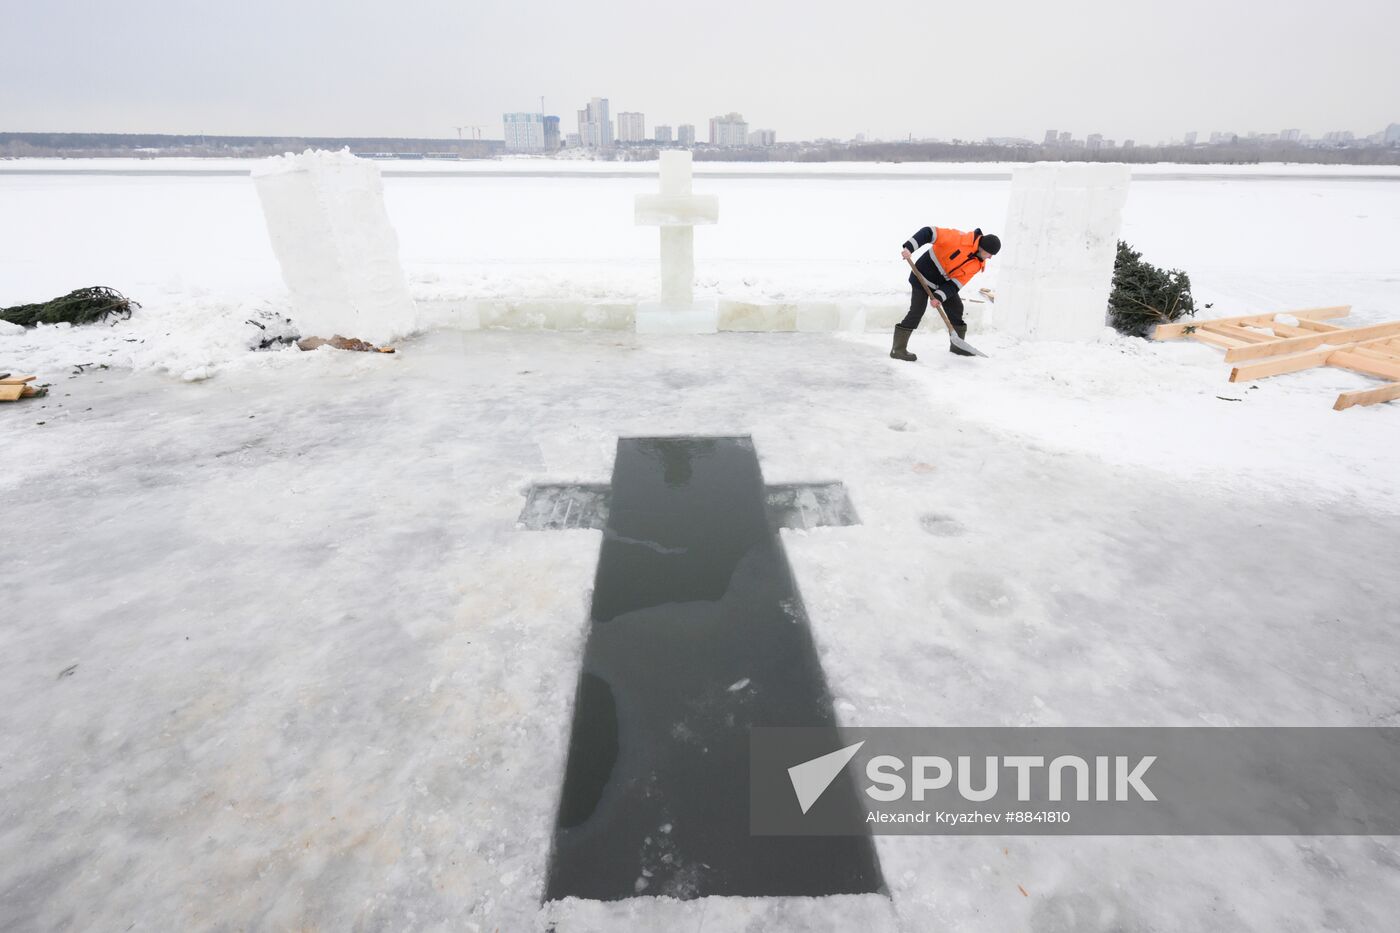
{"x":190,"y":338}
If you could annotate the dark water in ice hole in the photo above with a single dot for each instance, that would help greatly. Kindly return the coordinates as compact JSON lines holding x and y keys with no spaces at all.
{"x":697,"y":633}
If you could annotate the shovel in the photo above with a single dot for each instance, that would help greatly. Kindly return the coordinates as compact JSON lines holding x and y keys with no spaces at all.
{"x":953,"y":337}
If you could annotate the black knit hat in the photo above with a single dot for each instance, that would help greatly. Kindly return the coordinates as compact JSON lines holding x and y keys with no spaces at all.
{"x":991,"y":243}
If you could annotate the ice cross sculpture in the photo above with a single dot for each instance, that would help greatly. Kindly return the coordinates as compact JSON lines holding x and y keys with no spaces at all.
{"x":697,"y":632}
{"x":676,"y":210}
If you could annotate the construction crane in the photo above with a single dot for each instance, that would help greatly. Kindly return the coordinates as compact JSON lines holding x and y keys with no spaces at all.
{"x":474,"y":127}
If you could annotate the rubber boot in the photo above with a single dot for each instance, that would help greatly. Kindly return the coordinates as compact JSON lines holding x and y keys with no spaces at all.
{"x":900,"y":350}
{"x":961,"y":330}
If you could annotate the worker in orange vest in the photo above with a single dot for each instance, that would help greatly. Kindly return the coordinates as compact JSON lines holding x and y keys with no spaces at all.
{"x":952,"y":259}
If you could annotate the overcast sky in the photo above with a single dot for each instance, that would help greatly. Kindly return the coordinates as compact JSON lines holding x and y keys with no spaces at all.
{"x":1145,"y":70}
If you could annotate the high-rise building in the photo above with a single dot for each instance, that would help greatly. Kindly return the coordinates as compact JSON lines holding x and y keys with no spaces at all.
{"x":663,"y":134}
{"x":768,"y":138}
{"x":595,"y":129}
{"x":1065,"y":138}
{"x":1291,"y":136}
{"x":1128,"y":144}
{"x":1094,"y":141}
{"x":685,"y":134}
{"x":729,"y":130}
{"x":1392,"y":134}
{"x":1190,"y":139}
{"x":631,"y":128}
{"x":524,"y":132}
{"x":551,"y":133}
{"x":1051,"y":137}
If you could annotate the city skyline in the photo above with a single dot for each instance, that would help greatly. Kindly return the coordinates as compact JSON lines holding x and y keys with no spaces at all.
{"x":814,"y":70}
{"x":720,"y":135}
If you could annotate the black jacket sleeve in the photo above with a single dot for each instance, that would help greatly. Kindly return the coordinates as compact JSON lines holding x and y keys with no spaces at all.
{"x":923,"y":238}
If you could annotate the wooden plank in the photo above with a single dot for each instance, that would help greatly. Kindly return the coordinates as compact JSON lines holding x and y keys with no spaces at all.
{"x":1376,"y":351}
{"x":1278,"y":365}
{"x":1295,"y":344}
{"x":1318,"y":326}
{"x":1294,"y":362}
{"x":1216,"y":340}
{"x":1236,"y":332}
{"x":1172,"y":331}
{"x":1319,"y":314}
{"x":11,"y":392}
{"x":1346,"y":359}
{"x":1288,"y":330}
{"x":15,"y":380}
{"x":1367,"y":397}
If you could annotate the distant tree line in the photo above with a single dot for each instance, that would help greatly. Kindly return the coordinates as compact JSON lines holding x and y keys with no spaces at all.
{"x":100,"y":145}
{"x":1242,"y":152}
{"x":1239,"y":152}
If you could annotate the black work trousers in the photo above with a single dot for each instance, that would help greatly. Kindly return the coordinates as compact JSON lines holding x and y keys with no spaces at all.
{"x":918,"y":304}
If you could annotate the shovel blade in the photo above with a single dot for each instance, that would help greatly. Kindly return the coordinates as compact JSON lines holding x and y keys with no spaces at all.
{"x":962,"y":344}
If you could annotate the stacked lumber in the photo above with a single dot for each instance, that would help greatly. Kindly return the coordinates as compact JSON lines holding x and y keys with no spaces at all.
{"x":14,"y":388}
{"x":1263,"y":346}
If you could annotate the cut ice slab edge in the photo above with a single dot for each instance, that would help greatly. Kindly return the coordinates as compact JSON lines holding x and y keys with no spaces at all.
{"x":839,"y":912}
{"x":798,"y":506}
{"x":722,"y":314}
{"x":699,"y":317}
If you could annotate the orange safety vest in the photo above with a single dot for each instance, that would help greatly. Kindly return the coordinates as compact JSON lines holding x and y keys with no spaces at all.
{"x":955,"y":254}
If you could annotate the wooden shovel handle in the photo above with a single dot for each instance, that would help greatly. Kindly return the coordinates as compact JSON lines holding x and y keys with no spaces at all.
{"x":932,"y":300}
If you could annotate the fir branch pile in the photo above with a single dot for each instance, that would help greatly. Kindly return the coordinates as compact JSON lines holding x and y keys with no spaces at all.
{"x":1145,"y":295}
{"x":83,"y":306}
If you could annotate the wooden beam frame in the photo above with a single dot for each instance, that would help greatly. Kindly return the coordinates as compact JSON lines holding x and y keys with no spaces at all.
{"x":1295,"y":344}
{"x":1295,"y":362}
{"x":1172,"y":331}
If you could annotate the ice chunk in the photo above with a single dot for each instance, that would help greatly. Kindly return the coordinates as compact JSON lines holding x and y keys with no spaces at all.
{"x":338,"y":252}
{"x":1060,"y":240}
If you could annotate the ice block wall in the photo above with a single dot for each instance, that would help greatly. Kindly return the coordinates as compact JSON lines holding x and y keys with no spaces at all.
{"x":1058,"y":247}
{"x":339,"y":253}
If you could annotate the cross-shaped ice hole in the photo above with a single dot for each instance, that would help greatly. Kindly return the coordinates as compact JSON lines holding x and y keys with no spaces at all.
{"x":697,"y":633}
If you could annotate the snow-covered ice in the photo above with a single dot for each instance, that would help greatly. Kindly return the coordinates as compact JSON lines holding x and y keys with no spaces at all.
{"x":276,"y":654}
